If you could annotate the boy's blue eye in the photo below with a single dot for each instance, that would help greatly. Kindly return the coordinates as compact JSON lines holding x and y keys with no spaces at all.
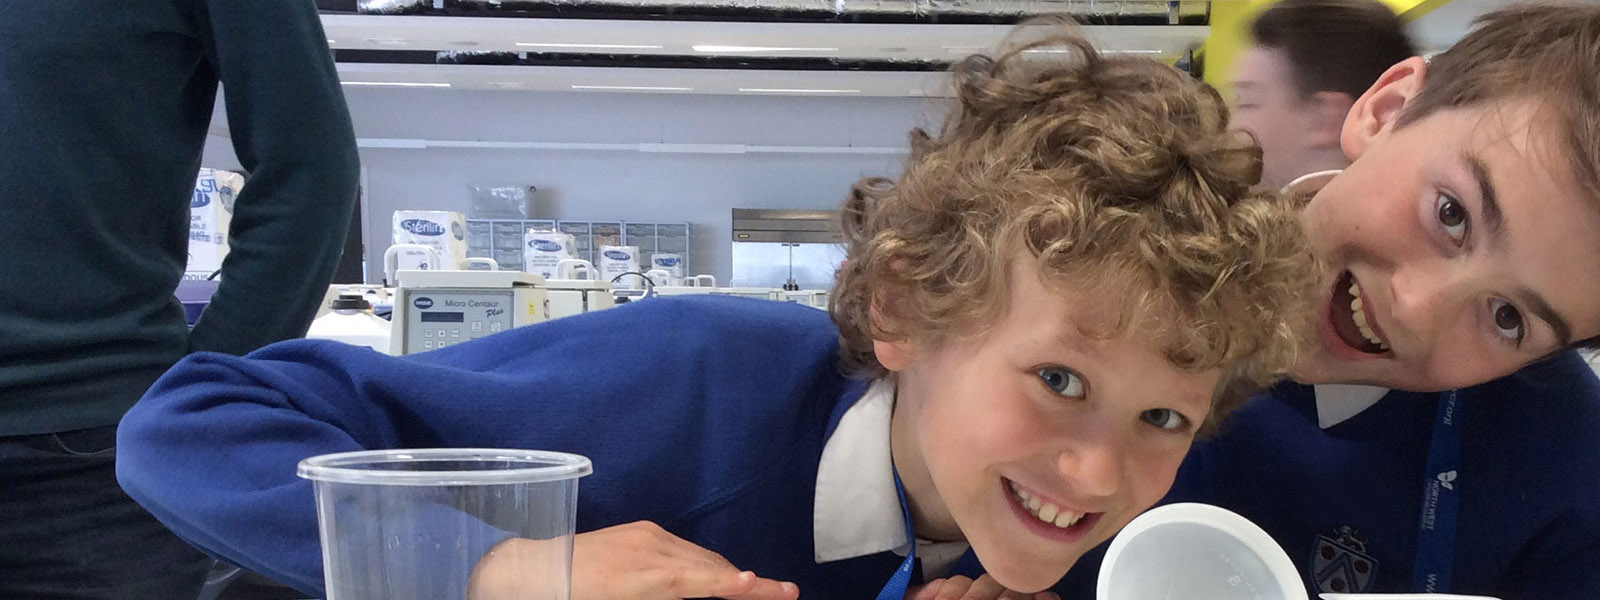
{"x":1164,"y":418}
{"x":1062,"y":381}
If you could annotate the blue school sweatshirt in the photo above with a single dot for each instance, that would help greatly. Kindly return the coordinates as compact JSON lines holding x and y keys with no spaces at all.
{"x":1346,"y":502}
{"x":719,"y":444}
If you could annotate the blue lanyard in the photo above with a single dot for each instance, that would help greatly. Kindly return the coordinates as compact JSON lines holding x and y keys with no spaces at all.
{"x":1436,"y":528}
{"x":895,"y":589}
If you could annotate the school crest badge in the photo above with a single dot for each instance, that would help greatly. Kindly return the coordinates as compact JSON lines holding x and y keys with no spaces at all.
{"x":1341,"y":564}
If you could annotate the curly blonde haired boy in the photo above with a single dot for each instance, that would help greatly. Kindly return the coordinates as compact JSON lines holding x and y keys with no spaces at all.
{"x":1035,"y":320}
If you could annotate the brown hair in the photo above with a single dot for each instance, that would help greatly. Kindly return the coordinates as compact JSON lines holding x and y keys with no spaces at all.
{"x":1333,"y":45}
{"x":1118,"y":175}
{"x":1546,"y":52}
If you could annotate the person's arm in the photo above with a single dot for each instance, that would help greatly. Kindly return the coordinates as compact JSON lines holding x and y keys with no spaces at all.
{"x":211,"y":449}
{"x":292,"y":133}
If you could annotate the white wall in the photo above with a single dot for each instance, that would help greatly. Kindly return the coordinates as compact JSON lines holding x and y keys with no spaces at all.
{"x":619,"y":185}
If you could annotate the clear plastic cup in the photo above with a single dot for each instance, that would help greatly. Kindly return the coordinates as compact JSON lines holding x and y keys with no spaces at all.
{"x":417,"y":524}
{"x":1203,"y":552}
{"x":1196,"y":552}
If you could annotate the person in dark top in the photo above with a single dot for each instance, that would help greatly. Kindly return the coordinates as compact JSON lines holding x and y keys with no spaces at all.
{"x":104,"y":108}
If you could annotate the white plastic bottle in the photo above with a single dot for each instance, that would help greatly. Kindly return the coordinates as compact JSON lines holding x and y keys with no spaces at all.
{"x":351,"y":323}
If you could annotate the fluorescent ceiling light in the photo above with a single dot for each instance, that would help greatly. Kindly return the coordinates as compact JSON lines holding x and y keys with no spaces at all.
{"x":396,"y":84}
{"x":634,"y":88}
{"x":330,"y":41}
{"x":590,"y":46}
{"x":796,"y":91}
{"x":715,"y":48}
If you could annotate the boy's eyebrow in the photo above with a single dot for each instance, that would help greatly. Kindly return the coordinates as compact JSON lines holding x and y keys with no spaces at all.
{"x":1491,"y":201}
{"x":1547,"y":313}
{"x":1494,"y":219}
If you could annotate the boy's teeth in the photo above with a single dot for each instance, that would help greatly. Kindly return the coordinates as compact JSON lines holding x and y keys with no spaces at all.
{"x":1046,"y":512}
{"x":1360,"y":317}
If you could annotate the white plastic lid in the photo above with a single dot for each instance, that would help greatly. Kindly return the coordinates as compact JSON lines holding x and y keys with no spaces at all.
{"x":1196,"y":552}
{"x":444,"y":467}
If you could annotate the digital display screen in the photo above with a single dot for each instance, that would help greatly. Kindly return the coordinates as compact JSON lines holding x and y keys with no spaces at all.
{"x":443,"y":317}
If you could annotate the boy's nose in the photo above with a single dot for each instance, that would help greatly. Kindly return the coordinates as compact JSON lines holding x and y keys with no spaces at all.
{"x":1419,"y":298}
{"x":1095,"y":467}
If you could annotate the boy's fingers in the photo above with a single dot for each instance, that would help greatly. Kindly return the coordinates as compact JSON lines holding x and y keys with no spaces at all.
{"x":954,"y":588}
{"x":768,"y":589}
{"x":926,"y":591}
{"x":985,"y":588}
{"x":695,"y":581}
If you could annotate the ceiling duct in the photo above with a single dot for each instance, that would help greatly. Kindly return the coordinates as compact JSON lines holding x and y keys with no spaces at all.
{"x":1146,"y":12}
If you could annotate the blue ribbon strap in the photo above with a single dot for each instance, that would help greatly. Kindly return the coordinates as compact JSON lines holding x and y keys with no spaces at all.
{"x":895,"y":589}
{"x":1436,"y":527}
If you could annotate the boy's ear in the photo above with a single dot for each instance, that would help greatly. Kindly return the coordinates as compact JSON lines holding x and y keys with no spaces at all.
{"x":894,"y":355}
{"x":1374,"y":114}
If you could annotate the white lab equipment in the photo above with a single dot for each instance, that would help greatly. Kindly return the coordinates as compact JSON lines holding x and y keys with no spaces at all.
{"x":618,"y":260}
{"x":699,"y":284}
{"x":444,"y":231}
{"x":1191,"y":551}
{"x":374,"y":294}
{"x":350,"y":321}
{"x":419,"y":257}
{"x":210,"y":213}
{"x":811,"y":298}
{"x":670,"y":262}
{"x":488,"y":264}
{"x":707,"y":284}
{"x":404,"y":524}
{"x":576,"y":290}
{"x":543,"y":250}
{"x":661,"y":278}
{"x":576,"y":268}
{"x":408,"y":257}
{"x":437,"y":309}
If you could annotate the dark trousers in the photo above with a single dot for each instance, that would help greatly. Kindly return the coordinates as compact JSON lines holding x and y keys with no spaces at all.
{"x":67,"y":531}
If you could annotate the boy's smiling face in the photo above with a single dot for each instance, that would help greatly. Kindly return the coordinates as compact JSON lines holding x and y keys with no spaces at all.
{"x":1466,"y":238}
{"x":1033,"y":420}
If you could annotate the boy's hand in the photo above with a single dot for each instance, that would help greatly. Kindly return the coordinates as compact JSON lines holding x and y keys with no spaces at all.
{"x":962,"y":588}
{"x":636,"y":561}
